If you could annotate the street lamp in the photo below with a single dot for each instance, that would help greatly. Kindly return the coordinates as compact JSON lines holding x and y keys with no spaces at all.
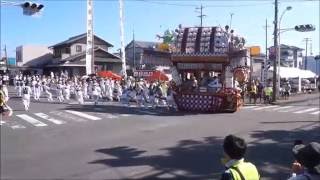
{"x":288,"y":8}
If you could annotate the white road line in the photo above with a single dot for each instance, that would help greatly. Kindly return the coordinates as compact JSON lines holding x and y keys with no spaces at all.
{"x":83,"y":115}
{"x":31,"y":120}
{"x":125,"y":115}
{"x":107,"y":115}
{"x":249,"y":107}
{"x":68,"y":116}
{"x":306,"y":110}
{"x":315,"y":113}
{"x":2,"y":122}
{"x":17,"y":126}
{"x":292,"y":109}
{"x":281,"y":108}
{"x":264,"y":107}
{"x":48,"y":118}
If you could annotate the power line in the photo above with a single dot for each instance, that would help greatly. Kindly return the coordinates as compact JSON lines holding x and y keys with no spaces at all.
{"x":201,"y":16}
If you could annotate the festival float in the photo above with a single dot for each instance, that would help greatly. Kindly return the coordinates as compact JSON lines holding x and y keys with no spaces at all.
{"x":210,"y":64}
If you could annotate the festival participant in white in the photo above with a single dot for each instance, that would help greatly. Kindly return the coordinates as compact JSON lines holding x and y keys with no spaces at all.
{"x":26,"y":91}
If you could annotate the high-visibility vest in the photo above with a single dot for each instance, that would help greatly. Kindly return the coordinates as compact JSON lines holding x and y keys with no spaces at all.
{"x":268,"y":91}
{"x":244,"y":171}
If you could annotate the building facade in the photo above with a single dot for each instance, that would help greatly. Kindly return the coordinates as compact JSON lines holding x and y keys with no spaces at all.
{"x":146,"y":56}
{"x":70,"y":54}
{"x":32,"y":55}
{"x":290,"y":56}
{"x":312,"y":64}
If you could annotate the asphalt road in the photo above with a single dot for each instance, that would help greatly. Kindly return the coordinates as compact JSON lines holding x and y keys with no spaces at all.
{"x":67,"y":141}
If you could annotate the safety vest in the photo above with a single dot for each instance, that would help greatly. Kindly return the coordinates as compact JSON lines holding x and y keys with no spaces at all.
{"x":244,"y":171}
{"x":268,"y":91}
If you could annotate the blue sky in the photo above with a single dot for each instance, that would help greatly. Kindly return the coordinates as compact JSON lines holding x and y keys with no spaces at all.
{"x":62,"y":19}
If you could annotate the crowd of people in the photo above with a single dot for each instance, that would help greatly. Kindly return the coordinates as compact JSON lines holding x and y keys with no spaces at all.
{"x":256,"y":90}
{"x":90,"y":88}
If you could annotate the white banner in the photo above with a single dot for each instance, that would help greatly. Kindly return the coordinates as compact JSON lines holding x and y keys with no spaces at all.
{"x":89,"y":48}
{"x":123,"y":53}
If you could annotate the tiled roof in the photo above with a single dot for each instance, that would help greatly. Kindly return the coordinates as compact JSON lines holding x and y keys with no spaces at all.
{"x":76,"y":59}
{"x":144,"y":44}
{"x":283,"y":46}
{"x":78,"y":37}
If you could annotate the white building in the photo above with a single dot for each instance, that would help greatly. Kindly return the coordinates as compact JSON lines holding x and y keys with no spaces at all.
{"x":312,"y":64}
{"x":290,"y":56}
{"x":32,"y":55}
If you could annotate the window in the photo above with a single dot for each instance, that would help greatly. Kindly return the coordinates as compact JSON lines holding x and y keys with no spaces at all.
{"x":68,"y":50}
{"x":78,"y":48}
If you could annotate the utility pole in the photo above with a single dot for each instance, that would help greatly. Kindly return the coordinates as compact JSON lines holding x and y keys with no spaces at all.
{"x":275,"y":34}
{"x":306,"y":55}
{"x":266,"y":58}
{"x":231,"y":14}
{"x":201,"y":14}
{"x":6,"y":56}
{"x":134,"y":51}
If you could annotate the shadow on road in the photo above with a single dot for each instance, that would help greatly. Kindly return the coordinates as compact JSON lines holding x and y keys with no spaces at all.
{"x":192,"y":159}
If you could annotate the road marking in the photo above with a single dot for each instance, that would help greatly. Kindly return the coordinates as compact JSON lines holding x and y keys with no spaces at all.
{"x":249,"y":107}
{"x":293,"y":109}
{"x":48,"y":118}
{"x":281,"y":108}
{"x":107,"y":115}
{"x":31,"y":120}
{"x":315,"y":113}
{"x":17,"y":126}
{"x":2,"y":122}
{"x":264,"y":107}
{"x":125,"y":115}
{"x":306,"y":110}
{"x":12,"y":124}
{"x":68,"y":116}
{"x":83,"y":115}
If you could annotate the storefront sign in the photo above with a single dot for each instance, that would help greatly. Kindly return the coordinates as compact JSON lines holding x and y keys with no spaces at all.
{"x":207,"y":66}
{"x":143,"y":73}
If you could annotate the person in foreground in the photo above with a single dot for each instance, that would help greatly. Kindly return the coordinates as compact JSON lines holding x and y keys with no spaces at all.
{"x":307,"y":163}
{"x":236,"y":168}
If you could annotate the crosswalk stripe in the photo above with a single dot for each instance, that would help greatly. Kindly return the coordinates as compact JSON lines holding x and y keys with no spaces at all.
{"x":315,"y":113}
{"x":107,"y":115}
{"x":2,"y":122}
{"x":17,"y":126}
{"x":306,"y":110}
{"x":83,"y":115}
{"x":48,"y":118}
{"x":67,"y":116}
{"x":248,"y":107}
{"x":125,"y":115}
{"x":291,"y":109}
{"x":264,"y":107}
{"x":281,"y":108}
{"x":31,"y":120}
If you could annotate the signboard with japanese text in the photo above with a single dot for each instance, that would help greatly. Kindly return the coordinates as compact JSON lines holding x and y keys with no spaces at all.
{"x":143,"y":73}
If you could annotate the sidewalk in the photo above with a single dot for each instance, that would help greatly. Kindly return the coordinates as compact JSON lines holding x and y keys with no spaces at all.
{"x":295,"y":98}
{"x":301,"y":97}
